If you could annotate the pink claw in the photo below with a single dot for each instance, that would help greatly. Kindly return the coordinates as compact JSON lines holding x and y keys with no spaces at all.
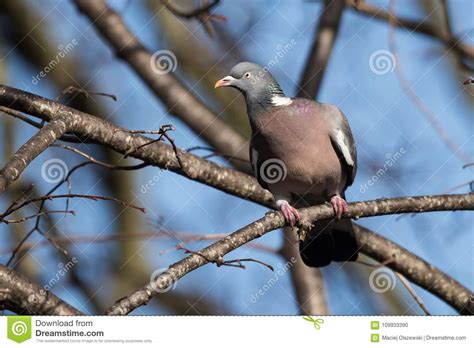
{"x":291,"y":214}
{"x":339,"y":205}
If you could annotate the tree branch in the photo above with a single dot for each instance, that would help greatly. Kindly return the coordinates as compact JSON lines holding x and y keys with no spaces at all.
{"x":416,"y":269}
{"x":30,"y":150}
{"x":325,"y":36}
{"x":453,"y":292}
{"x":426,"y":28}
{"x":408,"y":89}
{"x":307,"y":281}
{"x":20,"y":295}
{"x":157,"y":154}
{"x":179,"y":101}
{"x":195,"y":168}
{"x":192,"y":13}
{"x":413,"y":293}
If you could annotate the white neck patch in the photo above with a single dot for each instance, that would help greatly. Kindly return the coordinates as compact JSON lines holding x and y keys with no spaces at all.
{"x":281,"y":101}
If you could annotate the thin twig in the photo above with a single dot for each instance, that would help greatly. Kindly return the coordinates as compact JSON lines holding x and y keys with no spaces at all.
{"x":239,"y":262}
{"x":202,"y":14}
{"x":219,"y":261}
{"x":215,"y":153}
{"x":469,"y":183}
{"x":87,"y":93}
{"x":98,"y":162}
{"x":96,"y":238}
{"x":467,"y":165}
{"x":189,"y":14}
{"x":75,"y":195}
{"x":162,"y":132}
{"x":66,"y":179}
{"x":45,"y":212}
{"x":413,"y":293}
{"x":422,"y":27}
{"x":404,"y":281}
{"x":39,"y":125}
{"x":422,"y":107}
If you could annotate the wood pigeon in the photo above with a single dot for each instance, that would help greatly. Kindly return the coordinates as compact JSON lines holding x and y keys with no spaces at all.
{"x":303,"y":152}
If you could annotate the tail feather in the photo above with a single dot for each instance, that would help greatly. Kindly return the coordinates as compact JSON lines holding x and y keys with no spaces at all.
{"x":345,"y":243}
{"x":329,"y":241}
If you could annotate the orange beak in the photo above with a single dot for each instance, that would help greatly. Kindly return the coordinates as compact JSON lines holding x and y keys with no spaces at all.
{"x":226,"y":81}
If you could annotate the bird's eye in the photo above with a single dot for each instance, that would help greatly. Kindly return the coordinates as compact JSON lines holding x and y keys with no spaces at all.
{"x":247,"y":75}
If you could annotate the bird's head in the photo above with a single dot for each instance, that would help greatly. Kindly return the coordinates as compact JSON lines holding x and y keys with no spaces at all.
{"x":254,"y":81}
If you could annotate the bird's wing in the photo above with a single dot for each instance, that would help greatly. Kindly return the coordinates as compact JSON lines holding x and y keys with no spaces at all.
{"x":342,"y":140}
{"x":254,"y":161}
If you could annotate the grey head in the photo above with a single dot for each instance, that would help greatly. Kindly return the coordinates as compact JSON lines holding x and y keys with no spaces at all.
{"x":257,"y":85}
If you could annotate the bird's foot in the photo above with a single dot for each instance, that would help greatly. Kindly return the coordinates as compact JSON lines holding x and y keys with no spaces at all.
{"x":291,"y":214}
{"x":339,"y":205}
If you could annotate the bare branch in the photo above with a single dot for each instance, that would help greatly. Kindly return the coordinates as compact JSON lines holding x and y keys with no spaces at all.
{"x":30,"y":150}
{"x":202,"y":14}
{"x":425,"y":111}
{"x":39,"y":125}
{"x":157,"y":154}
{"x":426,"y":28}
{"x":70,"y":195}
{"x":413,"y":293}
{"x":20,"y":295}
{"x":404,"y":281}
{"x":211,"y":174}
{"x":163,"y":133}
{"x":453,"y":293}
{"x":88,"y":94}
{"x":308,"y":282}
{"x":326,"y":33}
{"x":415,"y":269}
{"x":221,"y":262}
{"x":97,"y":239}
{"x":179,"y":101}
{"x":25,"y":218}
{"x":103,"y":164}
{"x":216,"y":153}
{"x":189,"y":14}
